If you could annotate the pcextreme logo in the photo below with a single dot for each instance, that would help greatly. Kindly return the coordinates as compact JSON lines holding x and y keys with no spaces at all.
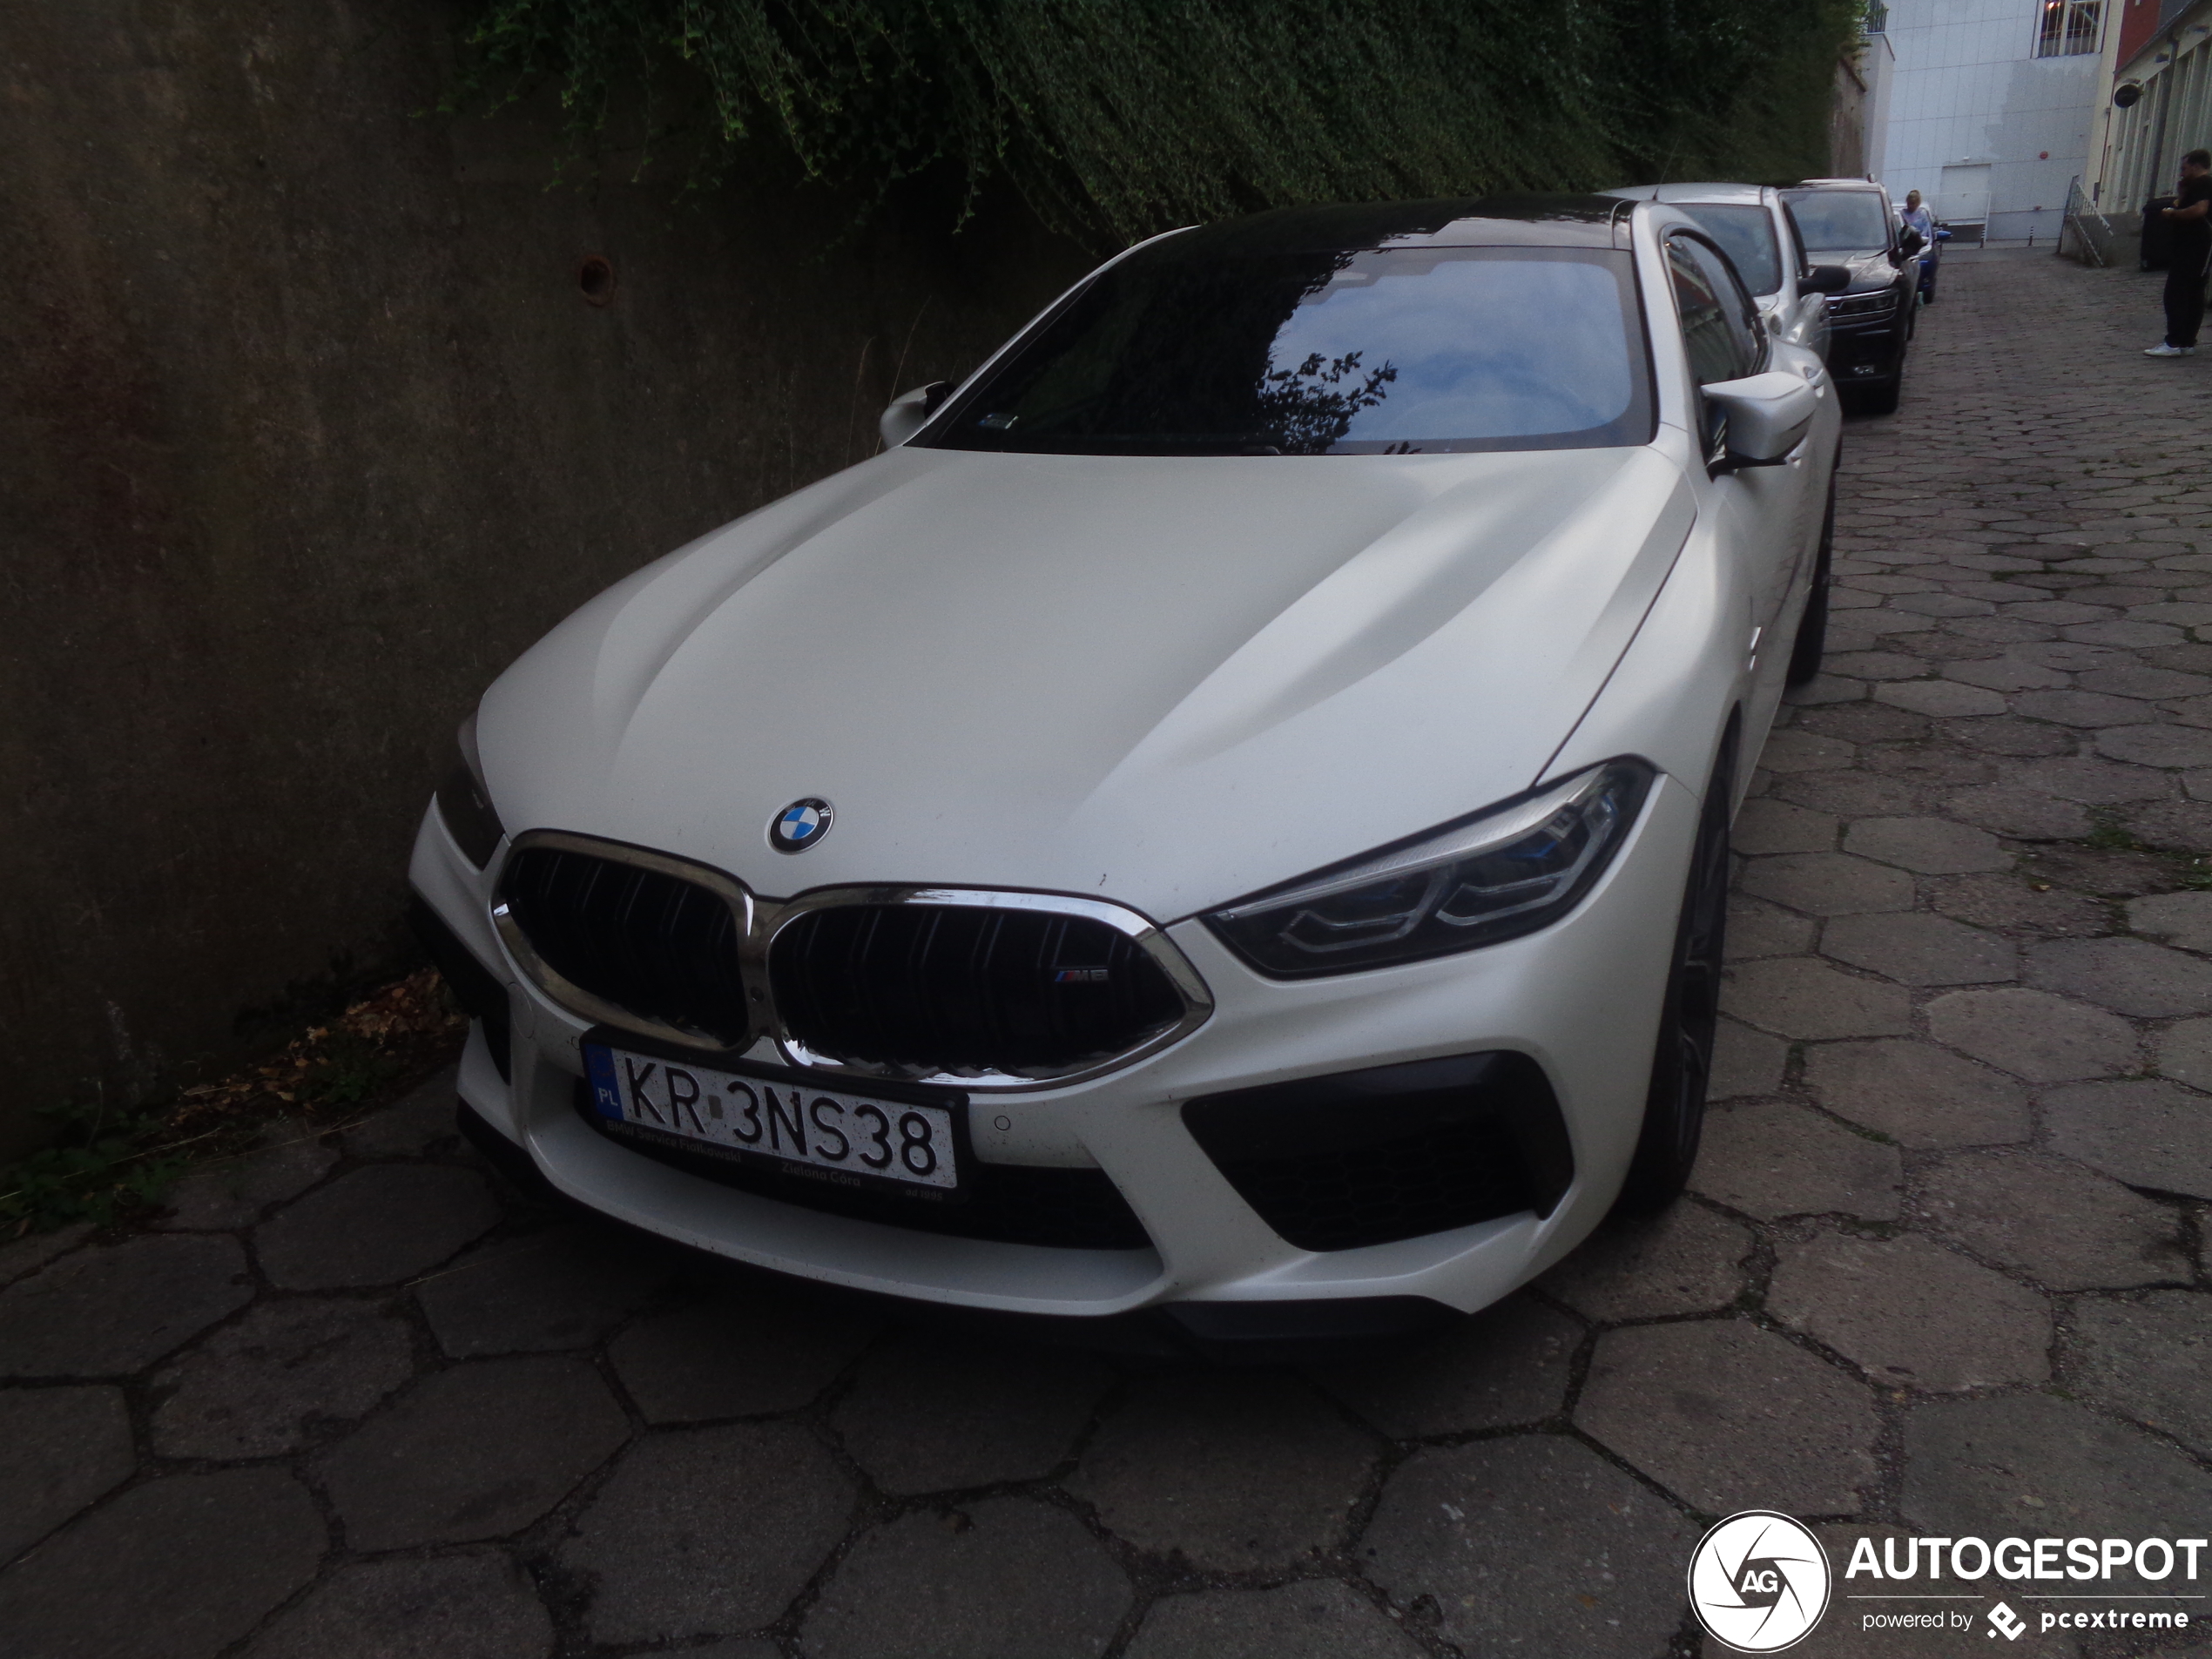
{"x":1759,"y":1581}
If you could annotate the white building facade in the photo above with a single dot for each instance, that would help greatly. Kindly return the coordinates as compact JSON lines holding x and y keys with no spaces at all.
{"x":1989,"y":106}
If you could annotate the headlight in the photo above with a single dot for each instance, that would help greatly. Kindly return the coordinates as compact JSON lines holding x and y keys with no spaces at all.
{"x":1503,"y":874}
{"x":465,"y":804}
{"x":1862,"y":305}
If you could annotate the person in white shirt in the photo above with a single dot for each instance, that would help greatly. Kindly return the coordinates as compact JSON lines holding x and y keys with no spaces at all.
{"x":1916,"y":217}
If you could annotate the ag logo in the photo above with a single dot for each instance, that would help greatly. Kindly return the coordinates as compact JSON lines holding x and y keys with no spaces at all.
{"x":1758,"y":1581}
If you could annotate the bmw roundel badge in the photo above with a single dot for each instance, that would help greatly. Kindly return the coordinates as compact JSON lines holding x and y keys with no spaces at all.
{"x":799,"y":825}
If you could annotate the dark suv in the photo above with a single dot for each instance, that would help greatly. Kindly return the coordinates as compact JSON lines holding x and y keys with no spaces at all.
{"x":1849,"y":222}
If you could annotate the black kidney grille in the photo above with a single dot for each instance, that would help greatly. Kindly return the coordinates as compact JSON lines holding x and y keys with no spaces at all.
{"x":965,"y":989}
{"x":653,"y":944}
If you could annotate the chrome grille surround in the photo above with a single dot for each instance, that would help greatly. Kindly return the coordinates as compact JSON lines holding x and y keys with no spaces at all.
{"x":761,"y":919}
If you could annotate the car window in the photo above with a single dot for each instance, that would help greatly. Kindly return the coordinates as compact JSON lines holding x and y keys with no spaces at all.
{"x":1188,"y":351}
{"x":1746,"y":235}
{"x":1719,"y":324}
{"x":1839,"y":221}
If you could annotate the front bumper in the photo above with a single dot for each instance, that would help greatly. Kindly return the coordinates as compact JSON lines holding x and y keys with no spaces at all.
{"x":1863,"y":351}
{"x":1580,"y":1000}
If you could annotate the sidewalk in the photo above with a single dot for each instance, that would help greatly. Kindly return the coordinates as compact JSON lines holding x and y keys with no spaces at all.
{"x":1943,"y":1269}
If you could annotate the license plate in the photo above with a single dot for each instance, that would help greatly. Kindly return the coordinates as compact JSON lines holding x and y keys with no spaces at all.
{"x":828,"y":1130}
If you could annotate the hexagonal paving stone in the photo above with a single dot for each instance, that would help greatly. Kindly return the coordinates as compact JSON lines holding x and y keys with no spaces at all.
{"x":2031,"y":1466}
{"x":2083,"y":709}
{"x":109,"y":1311}
{"x":2185,"y":1052}
{"x":475,"y":1606}
{"x":60,"y":1449}
{"x":2174,"y":826}
{"x":1917,"y":1094}
{"x":709,"y":1531}
{"x":1234,"y":1469}
{"x":1759,"y":929}
{"x":564,"y":1288}
{"x":1852,"y":794}
{"x":2146,"y":1134}
{"x":1827,"y":884}
{"x":1796,"y":996}
{"x":1784,"y":1160}
{"x":1313,"y":1619}
{"x":2034,"y":1034}
{"x":375,"y":1226}
{"x":177,"y":1568}
{"x":2012,"y":809}
{"x":753,"y":1347}
{"x":1007,"y":1578}
{"x":253,"y":1388}
{"x":1919,"y":949}
{"x":2065,"y":1227}
{"x":1730,"y":1417}
{"x":1788,"y":749}
{"x":1942,"y":698}
{"x":1911,"y":1313}
{"x":1777,"y":826}
{"x":2148,"y":1357}
{"x":419,"y":1122}
{"x":2092,"y":781}
{"x":2015,"y":902}
{"x":472,"y":1453}
{"x":232,"y":1192}
{"x":1927,"y":845}
{"x":939,"y":1412}
{"x":2130,"y":976}
{"x":1745,"y":1061}
{"x":21,"y":1258}
{"x":2182,"y":919}
{"x":1685,"y":1260}
{"x":1532,"y":1534}
{"x":2156,"y":746}
{"x":1506,"y":1364}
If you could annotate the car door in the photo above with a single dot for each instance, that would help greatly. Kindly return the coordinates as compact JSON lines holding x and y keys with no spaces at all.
{"x":1765,"y":515}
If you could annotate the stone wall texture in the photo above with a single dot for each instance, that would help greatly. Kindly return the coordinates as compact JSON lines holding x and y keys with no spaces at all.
{"x":306,"y":430}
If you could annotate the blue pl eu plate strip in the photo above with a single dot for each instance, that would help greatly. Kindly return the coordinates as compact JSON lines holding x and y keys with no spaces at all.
{"x":606,"y":1094}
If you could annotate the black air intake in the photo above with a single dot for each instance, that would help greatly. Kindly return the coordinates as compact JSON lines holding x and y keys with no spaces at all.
{"x":650,"y":943}
{"x":965,"y":990}
{"x":1368,"y":1158}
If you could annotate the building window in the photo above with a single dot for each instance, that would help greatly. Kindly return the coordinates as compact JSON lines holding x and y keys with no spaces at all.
{"x":2067,"y":27}
{"x":1877,"y":18}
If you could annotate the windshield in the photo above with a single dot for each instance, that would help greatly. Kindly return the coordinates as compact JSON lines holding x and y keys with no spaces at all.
{"x":1839,"y":221}
{"x":1398,"y":351}
{"x":1746,"y":235}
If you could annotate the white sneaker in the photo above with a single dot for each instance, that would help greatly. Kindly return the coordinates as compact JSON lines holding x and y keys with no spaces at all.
{"x":2164,"y":350}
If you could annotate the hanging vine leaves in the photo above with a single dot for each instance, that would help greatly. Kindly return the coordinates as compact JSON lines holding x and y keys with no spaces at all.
{"x":1116,"y":118}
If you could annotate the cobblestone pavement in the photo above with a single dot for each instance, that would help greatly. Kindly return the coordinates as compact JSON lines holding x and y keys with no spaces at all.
{"x":1942,"y":1269}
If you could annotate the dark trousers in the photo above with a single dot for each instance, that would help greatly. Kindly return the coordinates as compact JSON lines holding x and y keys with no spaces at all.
{"x":2185,"y":294}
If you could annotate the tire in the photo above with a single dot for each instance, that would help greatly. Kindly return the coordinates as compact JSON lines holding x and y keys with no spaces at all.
{"x":1812,"y":641}
{"x":1682,"y":1062}
{"x":1878,"y":400}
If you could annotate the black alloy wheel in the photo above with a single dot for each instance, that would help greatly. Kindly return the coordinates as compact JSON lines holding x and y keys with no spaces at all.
{"x":1805,"y":652}
{"x":1681,"y":1063}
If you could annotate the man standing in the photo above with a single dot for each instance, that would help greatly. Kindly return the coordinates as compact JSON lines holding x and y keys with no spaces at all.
{"x":2191,"y":258}
{"x":1914,"y":217}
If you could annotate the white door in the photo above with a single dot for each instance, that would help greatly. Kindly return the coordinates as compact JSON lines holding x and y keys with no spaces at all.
{"x":1963,"y":196}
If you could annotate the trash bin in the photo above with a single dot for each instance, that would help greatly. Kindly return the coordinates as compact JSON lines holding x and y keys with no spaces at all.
{"x":2158,"y":235}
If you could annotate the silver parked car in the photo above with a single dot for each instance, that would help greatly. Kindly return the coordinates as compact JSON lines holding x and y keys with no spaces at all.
{"x":1753,"y":225}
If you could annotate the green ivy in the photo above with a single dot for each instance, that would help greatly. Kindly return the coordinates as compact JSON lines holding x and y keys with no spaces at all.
{"x":1114,"y":119}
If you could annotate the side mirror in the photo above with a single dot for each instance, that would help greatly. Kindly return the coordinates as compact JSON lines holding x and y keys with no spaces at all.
{"x":1767,"y":416}
{"x":910,"y":411}
{"x":1825,"y":279}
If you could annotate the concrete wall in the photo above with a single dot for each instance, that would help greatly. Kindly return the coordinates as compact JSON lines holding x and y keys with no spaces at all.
{"x":305,"y":431}
{"x":1970,"y":95}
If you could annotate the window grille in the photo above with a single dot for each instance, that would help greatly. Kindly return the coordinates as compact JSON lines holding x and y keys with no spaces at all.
{"x":2066,"y":28}
{"x":1877,"y":18}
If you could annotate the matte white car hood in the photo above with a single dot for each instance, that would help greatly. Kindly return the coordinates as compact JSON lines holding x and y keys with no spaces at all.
{"x":1165,"y":681}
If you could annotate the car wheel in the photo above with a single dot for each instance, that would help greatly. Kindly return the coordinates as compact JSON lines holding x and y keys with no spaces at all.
{"x":1878,"y":400}
{"x":1812,"y":641}
{"x":1682,"y":1063}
